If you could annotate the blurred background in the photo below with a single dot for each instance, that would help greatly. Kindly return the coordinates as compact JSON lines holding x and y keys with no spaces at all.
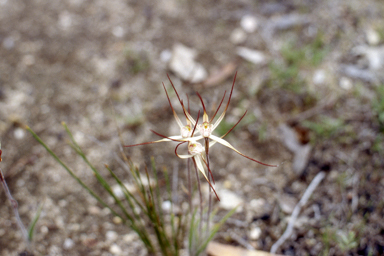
{"x":310,"y":74}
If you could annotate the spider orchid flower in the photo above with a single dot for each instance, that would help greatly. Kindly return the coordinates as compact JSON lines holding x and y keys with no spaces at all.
{"x":206,"y":128}
{"x":196,"y":151}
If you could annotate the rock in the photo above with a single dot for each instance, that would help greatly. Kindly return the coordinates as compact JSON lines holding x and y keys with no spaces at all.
{"x":68,"y":244}
{"x":165,"y":55}
{"x":373,"y":38}
{"x":8,"y":43}
{"x":118,"y":31}
{"x":117,"y":220}
{"x":319,"y":77}
{"x":184,"y":65}
{"x":254,"y":56}
{"x":166,"y":206}
{"x":19,"y":133}
{"x":374,"y":55}
{"x":115,"y":249}
{"x":287,"y":203}
{"x":356,"y":72}
{"x":249,"y":23}
{"x":255,"y":233}
{"x":238,"y":36}
{"x":345,"y":83}
{"x":94,"y":210}
{"x":111,"y":236}
{"x":230,"y":200}
{"x":118,"y":191}
{"x":301,"y":152}
{"x":288,"y":21}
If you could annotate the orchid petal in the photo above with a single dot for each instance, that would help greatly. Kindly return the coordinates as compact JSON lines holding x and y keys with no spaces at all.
{"x":226,"y":107}
{"x":172,"y":138}
{"x":217,"y":110}
{"x":185,"y":156}
{"x":233,"y":127}
{"x":181,"y":102}
{"x":199,"y":165}
{"x":226,"y":143}
{"x":178,"y":138}
{"x":174,"y":113}
{"x":205,"y":115}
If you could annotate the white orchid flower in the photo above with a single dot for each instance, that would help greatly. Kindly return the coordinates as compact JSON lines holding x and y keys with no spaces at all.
{"x":206,"y":128}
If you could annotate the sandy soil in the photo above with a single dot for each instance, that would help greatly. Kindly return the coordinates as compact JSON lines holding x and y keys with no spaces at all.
{"x":98,"y":66}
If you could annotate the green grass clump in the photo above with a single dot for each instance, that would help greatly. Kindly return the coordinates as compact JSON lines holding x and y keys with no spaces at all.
{"x":286,"y":75}
{"x":161,"y":232}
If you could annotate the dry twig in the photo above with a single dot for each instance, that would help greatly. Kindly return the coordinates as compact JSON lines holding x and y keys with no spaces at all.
{"x":315,"y":182}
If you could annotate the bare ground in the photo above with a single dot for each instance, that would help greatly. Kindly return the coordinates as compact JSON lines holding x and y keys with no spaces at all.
{"x":90,"y":62}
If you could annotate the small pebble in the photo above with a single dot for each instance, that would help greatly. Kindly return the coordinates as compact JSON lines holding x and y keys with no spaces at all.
{"x":166,"y":206}
{"x":287,"y":203}
{"x":249,"y":23}
{"x":255,"y":233}
{"x":117,"y":220}
{"x":68,"y":243}
{"x":44,"y":229}
{"x":19,"y":133}
{"x":165,"y":56}
{"x":111,"y":236}
{"x":115,"y":249}
{"x":118,"y":31}
{"x":129,"y":237}
{"x":345,"y":83}
{"x":28,"y":60}
{"x":373,"y":37}
{"x":238,"y":36}
{"x":254,"y":56}
{"x":62,"y":203}
{"x":117,"y":190}
{"x":319,"y":77}
{"x":230,"y":200}
{"x":94,"y":210}
{"x":8,"y":43}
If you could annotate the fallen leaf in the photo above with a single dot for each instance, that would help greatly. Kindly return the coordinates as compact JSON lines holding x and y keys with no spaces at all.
{"x":217,"y":249}
{"x":221,"y":75}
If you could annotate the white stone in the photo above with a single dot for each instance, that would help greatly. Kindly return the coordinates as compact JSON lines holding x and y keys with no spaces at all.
{"x":118,"y":31}
{"x":115,"y":249}
{"x":8,"y":43}
{"x":255,"y":233}
{"x":230,"y":200}
{"x":111,"y":236}
{"x":345,"y":83}
{"x":165,"y":55}
{"x":128,"y":238}
{"x":257,"y":204}
{"x":287,"y":203}
{"x":254,"y":56}
{"x":68,"y":243}
{"x":238,"y":36}
{"x":118,"y":191}
{"x":19,"y":133}
{"x":319,"y":77}
{"x":184,"y":65}
{"x":249,"y":23}
{"x":65,"y":20}
{"x":117,"y":220}
{"x":373,"y":37}
{"x":374,"y":55}
{"x":166,"y":206}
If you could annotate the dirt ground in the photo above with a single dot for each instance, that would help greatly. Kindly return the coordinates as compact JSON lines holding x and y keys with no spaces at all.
{"x":98,"y":66}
